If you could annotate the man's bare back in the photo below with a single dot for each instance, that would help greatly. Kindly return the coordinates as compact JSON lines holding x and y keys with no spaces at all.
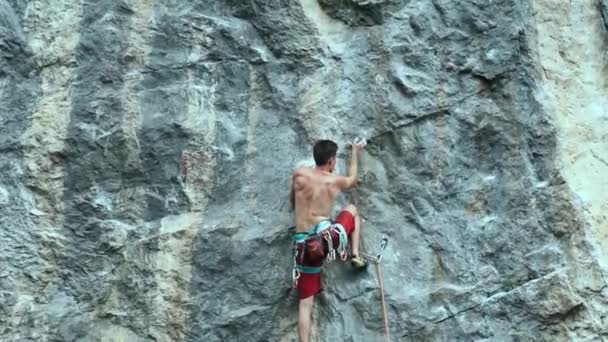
{"x":315,"y":192}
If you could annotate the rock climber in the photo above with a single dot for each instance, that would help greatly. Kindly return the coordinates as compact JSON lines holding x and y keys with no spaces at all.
{"x":313,"y":193}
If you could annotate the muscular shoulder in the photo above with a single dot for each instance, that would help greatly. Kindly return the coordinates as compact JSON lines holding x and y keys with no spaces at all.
{"x":299,"y":172}
{"x":300,"y":175}
{"x":343,"y":183}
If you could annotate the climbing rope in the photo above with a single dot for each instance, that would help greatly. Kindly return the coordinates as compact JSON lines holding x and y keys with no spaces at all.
{"x":387,"y":332}
{"x":331,"y":255}
{"x":377,"y":261}
{"x":343,"y":246}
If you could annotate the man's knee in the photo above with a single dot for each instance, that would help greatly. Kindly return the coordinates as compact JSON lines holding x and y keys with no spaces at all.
{"x":306,"y":304}
{"x":351,"y":209}
{"x":304,"y":318}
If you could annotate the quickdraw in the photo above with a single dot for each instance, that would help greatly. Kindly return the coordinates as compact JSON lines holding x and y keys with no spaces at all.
{"x":295,"y":274}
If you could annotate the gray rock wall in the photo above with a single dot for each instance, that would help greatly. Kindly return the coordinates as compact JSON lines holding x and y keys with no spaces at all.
{"x":146,"y":149}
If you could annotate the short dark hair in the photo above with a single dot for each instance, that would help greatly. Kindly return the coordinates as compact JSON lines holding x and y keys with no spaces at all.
{"x":323,"y":151}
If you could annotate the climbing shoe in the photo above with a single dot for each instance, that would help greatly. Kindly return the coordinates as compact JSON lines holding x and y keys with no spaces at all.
{"x":358,"y":262}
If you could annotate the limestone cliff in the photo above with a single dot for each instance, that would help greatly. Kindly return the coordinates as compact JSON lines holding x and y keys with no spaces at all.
{"x":146,"y":148}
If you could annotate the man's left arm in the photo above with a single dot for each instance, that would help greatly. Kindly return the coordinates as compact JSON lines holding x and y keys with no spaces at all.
{"x":292,"y":194}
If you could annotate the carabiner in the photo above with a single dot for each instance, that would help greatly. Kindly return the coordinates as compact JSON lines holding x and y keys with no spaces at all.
{"x":360,"y":141}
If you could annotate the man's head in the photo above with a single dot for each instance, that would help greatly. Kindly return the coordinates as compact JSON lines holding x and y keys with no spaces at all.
{"x":325,"y":152}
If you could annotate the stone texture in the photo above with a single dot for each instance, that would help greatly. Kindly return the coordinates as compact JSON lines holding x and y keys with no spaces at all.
{"x":575,"y":88}
{"x":146,"y":149}
{"x":604,"y":12}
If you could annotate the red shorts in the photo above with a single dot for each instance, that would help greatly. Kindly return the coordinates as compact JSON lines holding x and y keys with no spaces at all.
{"x":311,"y":284}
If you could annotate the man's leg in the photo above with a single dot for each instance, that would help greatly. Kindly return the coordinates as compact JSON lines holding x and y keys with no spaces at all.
{"x":355,"y":236}
{"x":304,"y":314}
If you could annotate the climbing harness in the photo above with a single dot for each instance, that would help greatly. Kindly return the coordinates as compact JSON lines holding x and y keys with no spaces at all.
{"x":300,"y":239}
{"x":324,"y":229}
{"x":377,"y":260}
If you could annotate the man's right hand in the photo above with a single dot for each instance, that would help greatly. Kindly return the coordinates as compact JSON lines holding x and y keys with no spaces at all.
{"x":358,"y":144}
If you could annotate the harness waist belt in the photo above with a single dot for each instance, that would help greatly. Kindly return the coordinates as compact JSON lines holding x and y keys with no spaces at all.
{"x":319,"y":227}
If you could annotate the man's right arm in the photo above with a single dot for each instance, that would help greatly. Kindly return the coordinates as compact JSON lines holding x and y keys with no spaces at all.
{"x":351,"y":180}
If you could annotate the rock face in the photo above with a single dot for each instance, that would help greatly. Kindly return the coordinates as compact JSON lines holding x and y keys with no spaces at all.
{"x":146,"y":149}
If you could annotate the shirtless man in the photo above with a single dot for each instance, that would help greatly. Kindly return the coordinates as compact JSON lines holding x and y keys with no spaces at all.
{"x":314,"y":191}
